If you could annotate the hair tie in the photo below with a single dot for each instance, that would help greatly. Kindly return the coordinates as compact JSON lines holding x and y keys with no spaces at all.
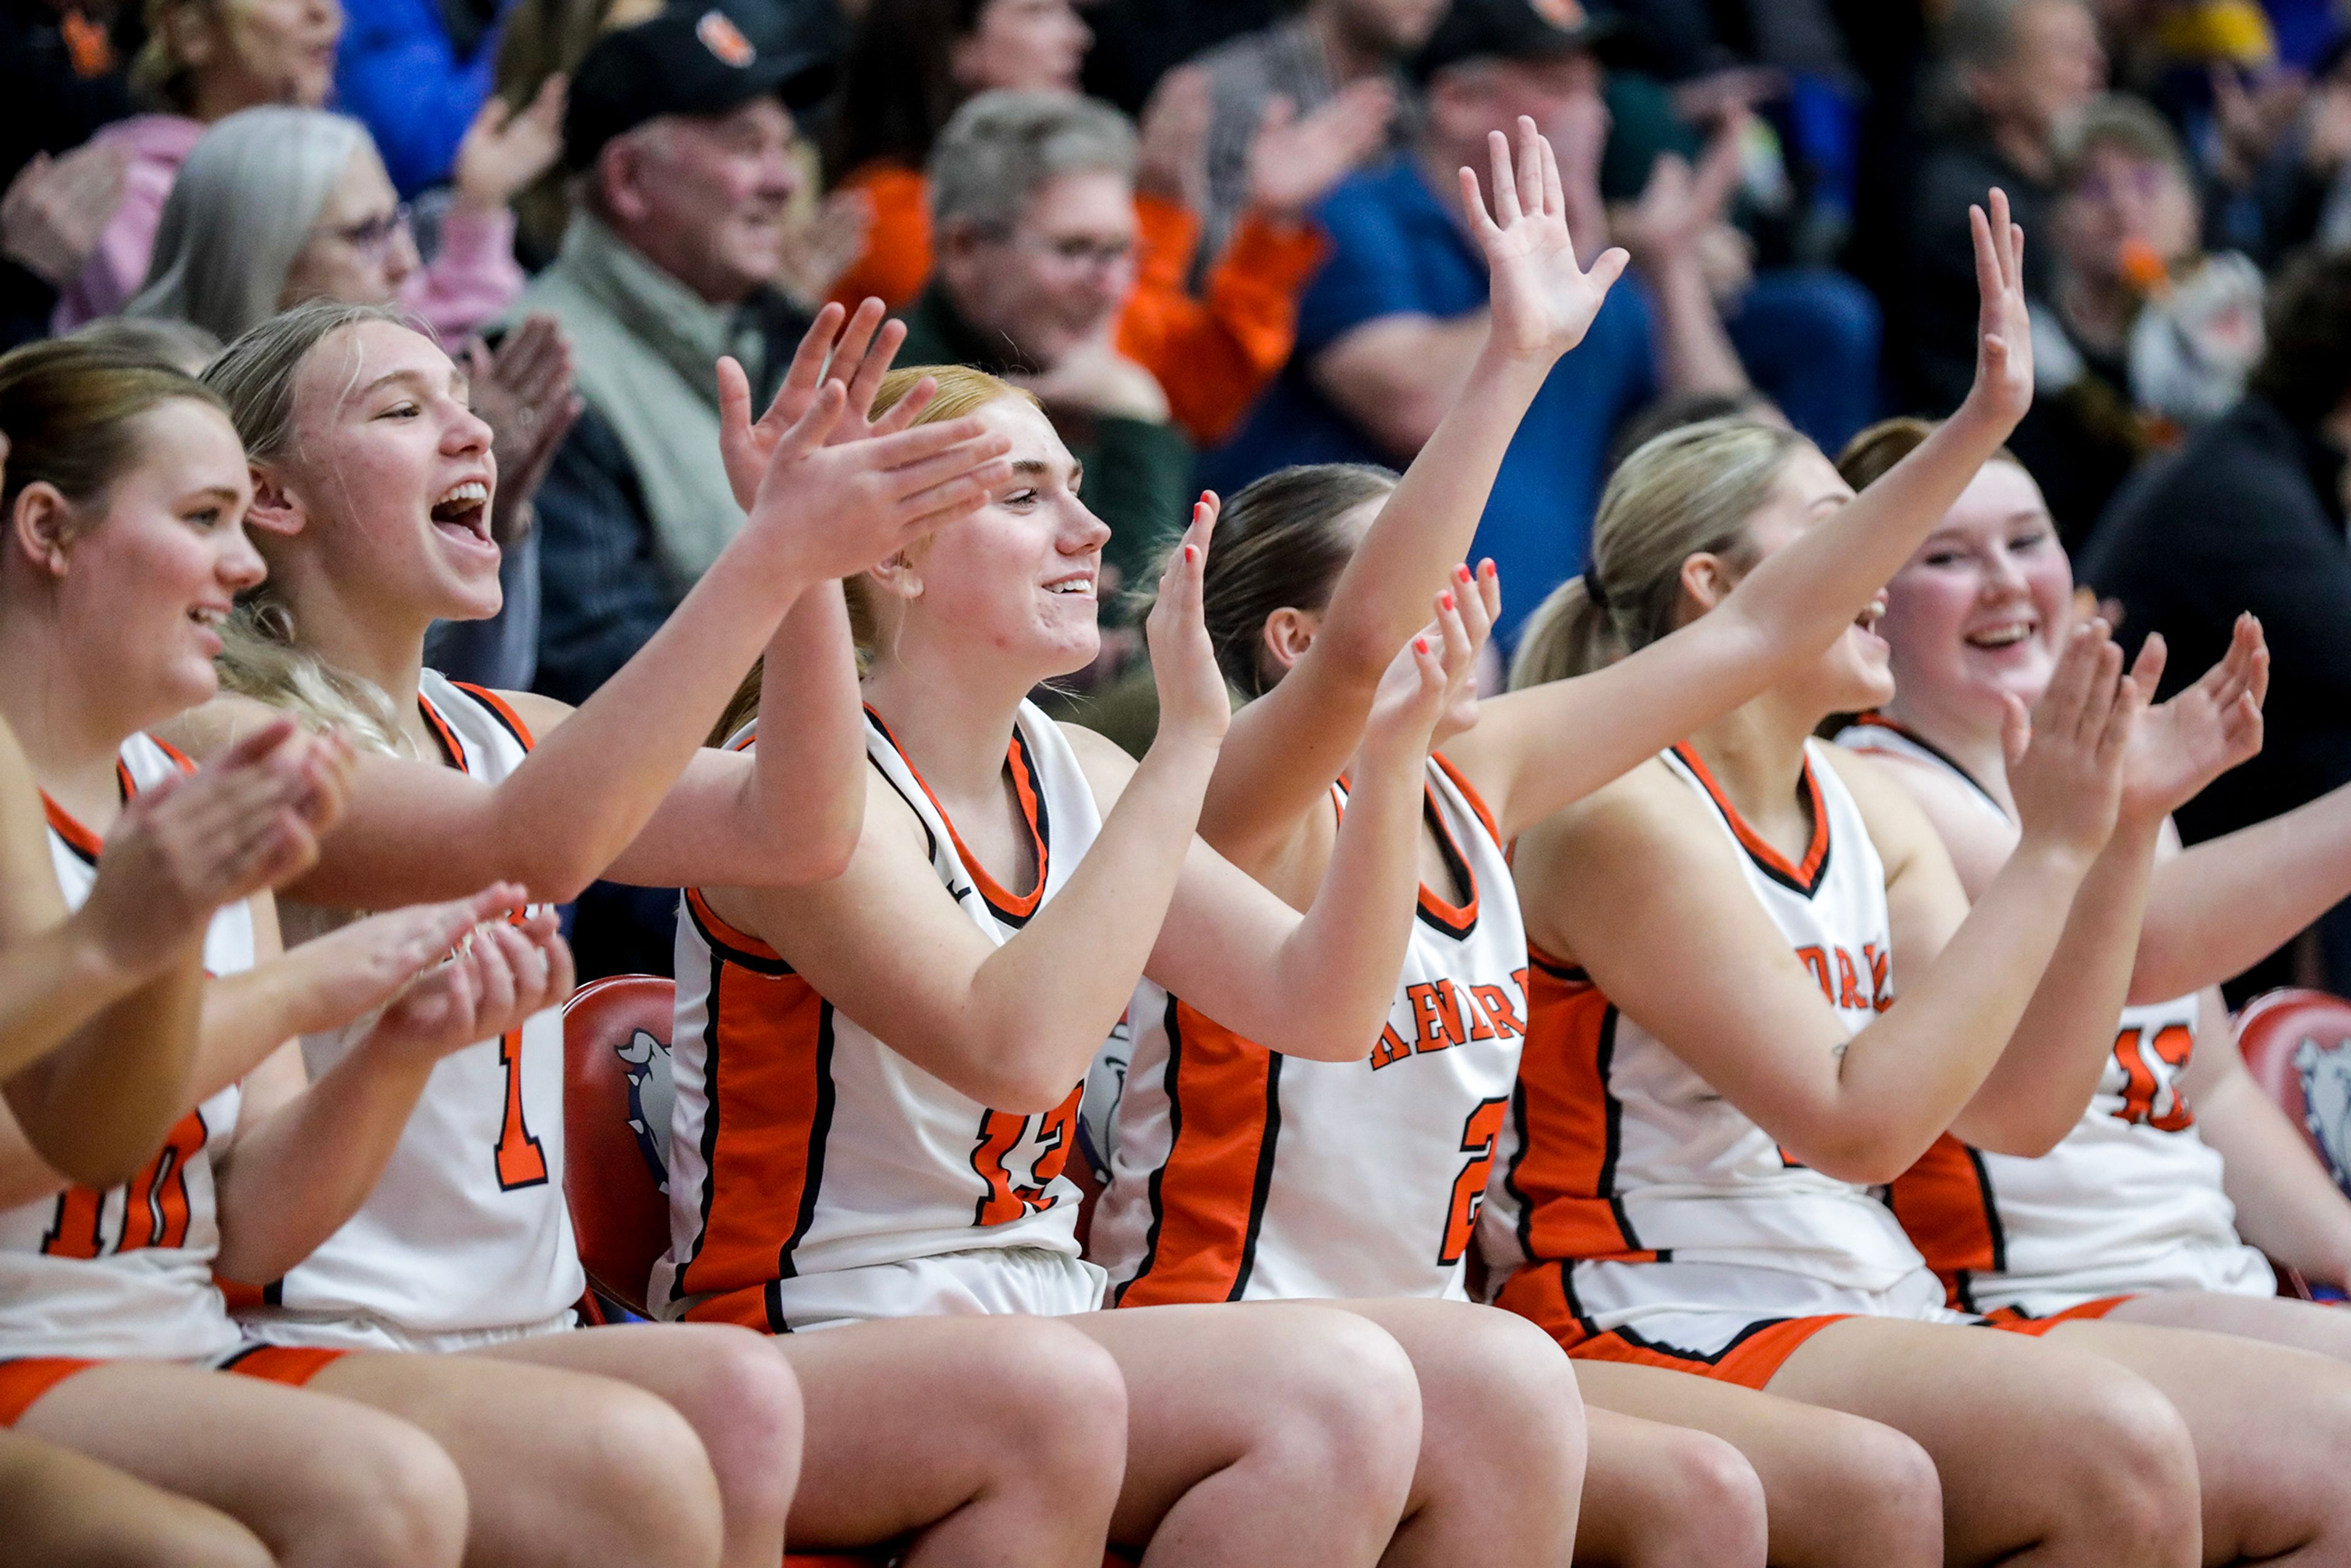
{"x":1594,"y":592}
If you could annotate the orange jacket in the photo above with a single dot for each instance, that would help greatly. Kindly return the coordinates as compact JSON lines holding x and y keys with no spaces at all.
{"x":1212,"y":356}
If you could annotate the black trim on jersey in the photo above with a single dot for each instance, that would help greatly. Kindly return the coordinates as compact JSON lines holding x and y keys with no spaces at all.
{"x":1458,"y":864}
{"x":771,"y":1296}
{"x":1574,"y":1303}
{"x":1817,"y":802}
{"x":445,"y":735}
{"x":1159,"y":1171}
{"x":1043,"y":828}
{"x":1604,"y":1060}
{"x":1707,"y":1358}
{"x":124,"y":787}
{"x":480,"y":696}
{"x":820,"y":1132}
{"x":273,"y":1294}
{"x":1573,"y":973}
{"x":678,"y":1286}
{"x":759,"y":964}
{"x":957,"y":888}
{"x":1992,"y":1208}
{"x":1874,"y":721}
{"x":238,"y":1356}
{"x":1263,"y":1189}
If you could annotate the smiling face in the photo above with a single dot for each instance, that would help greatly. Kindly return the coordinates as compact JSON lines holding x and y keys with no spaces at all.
{"x":1014,"y":585}
{"x":388,"y":479}
{"x":359,"y":250}
{"x":1984,"y":607}
{"x":154,"y":562}
{"x":248,"y":52}
{"x":1055,"y":278}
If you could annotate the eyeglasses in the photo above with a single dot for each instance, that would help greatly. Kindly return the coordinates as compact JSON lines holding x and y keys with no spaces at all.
{"x":372,"y":237}
{"x":1077,"y":252}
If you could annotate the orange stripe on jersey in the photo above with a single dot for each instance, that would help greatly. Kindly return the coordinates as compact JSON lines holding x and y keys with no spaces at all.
{"x":1207,"y":1200}
{"x":1016,"y":909}
{"x":450,"y":746}
{"x":1805,"y":878}
{"x":27,"y":1378}
{"x":500,"y":709}
{"x":79,"y":839}
{"x":180,"y":758}
{"x":1456,"y":920}
{"x":721,"y":936}
{"x":1750,"y":1361}
{"x":768,"y":1045}
{"x":1569,"y":1124}
{"x":1945,"y":1202}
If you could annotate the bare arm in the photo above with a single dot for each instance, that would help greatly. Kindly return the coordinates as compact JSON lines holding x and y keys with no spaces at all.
{"x":1397,"y":375}
{"x":2286,"y":1203}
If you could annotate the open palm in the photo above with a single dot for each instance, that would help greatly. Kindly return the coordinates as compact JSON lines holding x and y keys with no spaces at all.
{"x":854,"y":350}
{"x":1543,"y":301}
{"x":2003,"y":385}
{"x":2182,"y":746}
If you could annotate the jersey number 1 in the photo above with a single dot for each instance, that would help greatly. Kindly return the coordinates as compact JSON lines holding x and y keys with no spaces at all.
{"x":521,"y":1162}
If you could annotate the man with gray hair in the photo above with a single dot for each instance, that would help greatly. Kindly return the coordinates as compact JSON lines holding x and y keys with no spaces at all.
{"x":680,"y":129}
{"x":1033,"y":204}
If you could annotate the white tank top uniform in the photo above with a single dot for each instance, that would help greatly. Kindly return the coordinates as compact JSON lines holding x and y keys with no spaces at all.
{"x":1639,"y":1216}
{"x":2130,"y":1202}
{"x":1238,"y":1173}
{"x":466,"y":1239}
{"x":815,"y":1176}
{"x":128,"y":1271}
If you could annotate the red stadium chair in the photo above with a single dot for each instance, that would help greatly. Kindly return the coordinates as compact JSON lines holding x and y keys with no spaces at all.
{"x":616,"y":1100}
{"x":2298,"y":1045}
{"x":616,"y":1103}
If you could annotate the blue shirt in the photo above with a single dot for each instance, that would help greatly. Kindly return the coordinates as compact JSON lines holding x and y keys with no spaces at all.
{"x":1397,"y":250}
{"x":398,"y":70}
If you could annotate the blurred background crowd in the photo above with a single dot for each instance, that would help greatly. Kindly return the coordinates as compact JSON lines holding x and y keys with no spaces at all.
{"x":1218,"y":237}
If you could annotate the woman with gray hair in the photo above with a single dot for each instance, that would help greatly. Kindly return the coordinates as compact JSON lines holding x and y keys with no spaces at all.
{"x":277,"y":205}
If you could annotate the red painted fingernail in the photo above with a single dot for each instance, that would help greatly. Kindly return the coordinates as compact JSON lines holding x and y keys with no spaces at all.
{"x":1191,"y":554}
{"x":1420,"y":644}
{"x":1444,"y":599}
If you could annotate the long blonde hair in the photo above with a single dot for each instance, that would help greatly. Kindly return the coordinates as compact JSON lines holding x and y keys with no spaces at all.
{"x":1686,"y":492}
{"x":962,"y":391}
{"x":263,"y":657}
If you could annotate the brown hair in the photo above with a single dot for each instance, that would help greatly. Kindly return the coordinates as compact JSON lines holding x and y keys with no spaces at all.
{"x":1871,"y":454}
{"x":1688,"y":492}
{"x":71,"y":410}
{"x":961,"y":391}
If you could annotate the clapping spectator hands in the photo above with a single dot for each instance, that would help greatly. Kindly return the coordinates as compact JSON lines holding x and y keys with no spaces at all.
{"x":1295,"y":160}
{"x":1682,"y":216}
{"x":57,"y":209}
{"x":523,"y":391}
{"x":1172,"y":140}
{"x":823,"y":243}
{"x":504,"y":149}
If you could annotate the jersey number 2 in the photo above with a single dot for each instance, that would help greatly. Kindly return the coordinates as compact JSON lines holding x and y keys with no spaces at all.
{"x":521,"y":1162}
{"x":1478,"y":1134}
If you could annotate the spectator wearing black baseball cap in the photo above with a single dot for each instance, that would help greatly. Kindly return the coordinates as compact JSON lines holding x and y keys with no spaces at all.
{"x":680,"y":129}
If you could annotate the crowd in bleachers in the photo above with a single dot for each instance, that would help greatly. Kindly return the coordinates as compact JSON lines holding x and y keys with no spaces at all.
{"x":1655,"y":668}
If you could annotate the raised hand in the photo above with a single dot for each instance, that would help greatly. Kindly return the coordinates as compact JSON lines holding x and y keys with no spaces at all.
{"x":1194,"y":703}
{"x":854,"y":352}
{"x":501,"y":974}
{"x":2066,"y":764}
{"x":2003,"y":385}
{"x":831,"y":511}
{"x":1294,"y":161}
{"x":1543,"y":301}
{"x":523,"y":391}
{"x":57,"y":209}
{"x":1171,"y":155}
{"x":191,"y":845}
{"x":2180,"y":747}
{"x":504,"y":150}
{"x":1431,"y":675}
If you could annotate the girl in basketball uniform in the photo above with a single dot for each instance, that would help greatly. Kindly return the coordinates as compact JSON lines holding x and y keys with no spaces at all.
{"x":125,"y":498}
{"x":878,"y":1077}
{"x":2128,"y":1216}
{"x":373,"y":475}
{"x":1237,"y":1175}
{"x":1721,"y":1062}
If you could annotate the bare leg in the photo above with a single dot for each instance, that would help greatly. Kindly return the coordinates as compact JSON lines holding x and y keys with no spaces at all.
{"x":2046,"y":1455}
{"x":321,"y":1482}
{"x":2270,"y":1426}
{"x":1263,"y":1433}
{"x":67,"y":1511}
{"x":994,"y":1442}
{"x":733,"y":1390}
{"x":1839,"y":1491}
{"x":1501,"y":1468}
{"x":1667,"y":1497}
{"x":563,"y":1467}
{"x":2304,"y":1325}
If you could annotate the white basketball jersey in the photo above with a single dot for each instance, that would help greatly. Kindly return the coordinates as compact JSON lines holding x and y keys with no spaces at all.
{"x":467,"y":1227}
{"x":2131,"y":1200}
{"x":128,"y":1271}
{"x":1616,"y":1151}
{"x":802,"y":1144}
{"x":1239,"y":1174}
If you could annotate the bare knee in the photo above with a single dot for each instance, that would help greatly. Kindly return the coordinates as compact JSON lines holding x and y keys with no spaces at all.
{"x":639,"y":1477}
{"x":1882,"y":1490}
{"x":1347,"y":1415}
{"x":1056,"y":1405}
{"x":392,"y":1499}
{"x":2132,"y":1490}
{"x":744,"y":1403}
{"x":1514,"y":1396}
{"x":1706,"y":1506}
